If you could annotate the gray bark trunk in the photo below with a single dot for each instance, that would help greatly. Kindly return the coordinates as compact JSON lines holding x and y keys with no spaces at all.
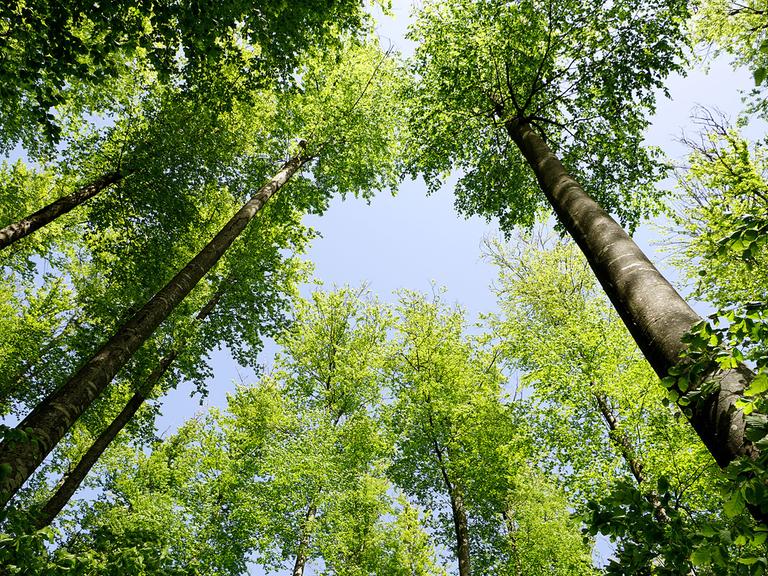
{"x":47,"y":214}
{"x":303,"y":551}
{"x":655,"y":314}
{"x":73,"y":479}
{"x":458,"y":511}
{"x":512,"y":535}
{"x":55,"y":415}
{"x":462,"y":531}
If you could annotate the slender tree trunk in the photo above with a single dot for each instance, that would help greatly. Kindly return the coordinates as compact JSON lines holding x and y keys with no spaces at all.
{"x":623,"y":444}
{"x":512,"y":534}
{"x":54,"y":416}
{"x":73,"y":479}
{"x":48,"y":214}
{"x":303,"y":551}
{"x":462,"y":531}
{"x":458,"y":511}
{"x":655,"y":314}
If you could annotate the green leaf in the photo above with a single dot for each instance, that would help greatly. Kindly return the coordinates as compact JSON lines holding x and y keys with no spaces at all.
{"x":758,"y":385}
{"x":759,"y":75}
{"x":701,"y":556}
{"x":734,"y":505}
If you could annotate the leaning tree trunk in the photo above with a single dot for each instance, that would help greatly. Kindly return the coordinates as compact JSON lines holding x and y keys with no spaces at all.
{"x":302,"y":552}
{"x":73,"y":479}
{"x":42,"y":429}
{"x":48,"y":214}
{"x":621,"y":441}
{"x":655,"y":314}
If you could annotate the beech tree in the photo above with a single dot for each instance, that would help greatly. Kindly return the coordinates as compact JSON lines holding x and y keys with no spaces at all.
{"x":634,"y":469}
{"x":564,"y":89}
{"x":342,"y":106}
{"x":61,"y":58}
{"x":462,"y":452}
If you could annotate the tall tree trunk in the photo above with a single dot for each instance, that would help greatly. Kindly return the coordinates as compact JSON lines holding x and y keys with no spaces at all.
{"x":458,"y":511}
{"x":74,"y":478}
{"x":623,"y":444}
{"x":462,"y":531}
{"x":303,"y":550}
{"x":54,"y":416}
{"x":48,"y":214}
{"x":512,"y":534}
{"x":655,"y":314}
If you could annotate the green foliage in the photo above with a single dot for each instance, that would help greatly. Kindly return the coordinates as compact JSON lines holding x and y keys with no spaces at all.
{"x":739,"y":29}
{"x":584,"y":74}
{"x":634,"y":469}
{"x":457,"y":435}
{"x":67,"y":54}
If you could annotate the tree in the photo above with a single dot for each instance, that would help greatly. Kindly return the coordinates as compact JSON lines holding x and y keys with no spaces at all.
{"x":633,"y":468}
{"x":462,"y":452}
{"x":328,"y":449}
{"x":576,"y":80}
{"x":64,"y":55}
{"x":75,"y":477}
{"x":157,"y":145}
{"x":354,"y":158}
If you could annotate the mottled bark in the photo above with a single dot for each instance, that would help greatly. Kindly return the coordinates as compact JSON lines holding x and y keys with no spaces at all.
{"x":462,"y":531}
{"x":627,"y":451}
{"x":48,"y":214}
{"x":55,"y":415}
{"x":509,"y":520}
{"x":302,"y":551}
{"x":75,"y":477}
{"x":655,"y":314}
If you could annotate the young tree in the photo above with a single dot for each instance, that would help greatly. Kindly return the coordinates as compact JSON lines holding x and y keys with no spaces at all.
{"x":328,"y":373}
{"x":574,"y":80}
{"x":460,"y":448}
{"x":342,"y":107}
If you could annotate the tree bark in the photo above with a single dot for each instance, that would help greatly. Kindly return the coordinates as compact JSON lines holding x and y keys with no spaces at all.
{"x":303,"y":551}
{"x":458,"y":511}
{"x":55,"y":415}
{"x":73,"y":479}
{"x":622,"y":443}
{"x":655,"y":314}
{"x":512,"y":534}
{"x":48,"y":214}
{"x":462,"y":531}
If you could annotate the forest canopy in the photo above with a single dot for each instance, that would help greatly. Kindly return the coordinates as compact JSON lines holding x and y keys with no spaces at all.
{"x":168,"y":169}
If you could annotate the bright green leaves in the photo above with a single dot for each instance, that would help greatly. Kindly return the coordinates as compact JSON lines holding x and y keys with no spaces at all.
{"x":583,"y":74}
{"x":738,"y":29}
{"x":348,"y":108}
{"x":65,"y":55}
{"x":458,"y":437}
